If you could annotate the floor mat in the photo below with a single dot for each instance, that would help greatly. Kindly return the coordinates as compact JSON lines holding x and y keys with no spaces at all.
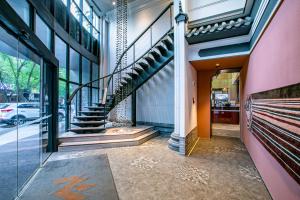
{"x":87,"y":178}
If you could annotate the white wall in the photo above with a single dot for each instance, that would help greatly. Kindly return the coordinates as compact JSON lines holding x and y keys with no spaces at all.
{"x":190,"y":98}
{"x":155,"y":99}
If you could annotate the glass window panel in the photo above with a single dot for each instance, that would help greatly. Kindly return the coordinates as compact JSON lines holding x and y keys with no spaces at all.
{"x":61,"y":12}
{"x":95,"y":34}
{"x":85,"y":79}
{"x":86,"y":39}
{"x":8,"y":104}
{"x":75,"y":28}
{"x":22,"y":8}
{"x":95,"y":20}
{"x":87,"y":11}
{"x":61,"y":107}
{"x":74,"y":103}
{"x":86,"y":24}
{"x":65,"y":2}
{"x":74,"y":66}
{"x":95,"y":46}
{"x":47,"y":3}
{"x":20,"y":148}
{"x":75,"y":11}
{"x":61,"y":55}
{"x":85,"y":70}
{"x":95,"y":84}
{"x":43,"y":32}
{"x":95,"y":96}
{"x":29,"y":109}
{"x":76,"y":1}
{"x":95,"y":74}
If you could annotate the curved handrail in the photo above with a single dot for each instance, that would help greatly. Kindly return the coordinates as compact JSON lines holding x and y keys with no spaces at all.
{"x":116,"y":72}
{"x":109,"y":76}
{"x":131,"y":45}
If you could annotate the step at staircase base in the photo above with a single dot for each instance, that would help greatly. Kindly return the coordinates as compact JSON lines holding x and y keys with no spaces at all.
{"x":104,"y":141}
{"x":74,"y":137}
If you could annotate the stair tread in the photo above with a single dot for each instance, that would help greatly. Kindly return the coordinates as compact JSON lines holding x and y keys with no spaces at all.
{"x":88,"y":111}
{"x":86,"y":129}
{"x":78,"y":117}
{"x":109,"y":141}
{"x":88,"y":122}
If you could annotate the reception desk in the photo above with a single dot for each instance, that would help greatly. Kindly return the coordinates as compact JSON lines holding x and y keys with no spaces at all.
{"x":226,"y":115}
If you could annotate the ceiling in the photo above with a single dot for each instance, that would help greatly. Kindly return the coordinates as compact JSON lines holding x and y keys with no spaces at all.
{"x":211,"y":11}
{"x":225,"y":63}
{"x":106,"y":5}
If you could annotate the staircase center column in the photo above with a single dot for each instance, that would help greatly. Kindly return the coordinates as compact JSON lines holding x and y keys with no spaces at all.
{"x":176,"y":141}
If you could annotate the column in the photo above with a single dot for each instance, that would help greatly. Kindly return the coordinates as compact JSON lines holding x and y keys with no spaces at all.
{"x":175,"y":142}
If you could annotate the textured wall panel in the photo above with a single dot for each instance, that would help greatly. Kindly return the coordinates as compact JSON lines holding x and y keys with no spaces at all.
{"x":274,"y":119}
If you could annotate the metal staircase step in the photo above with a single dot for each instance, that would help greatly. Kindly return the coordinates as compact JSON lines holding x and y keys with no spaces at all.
{"x":168,"y":42}
{"x":90,"y":118}
{"x":127,"y":78}
{"x":150,"y":59}
{"x":108,"y":103}
{"x":156,"y":54}
{"x":143,"y":63}
{"x":138,"y":68}
{"x":133,"y":73}
{"x":93,"y":113}
{"x":95,"y":108}
{"x":88,"y":123}
{"x":87,"y":130}
{"x":162,"y":49}
{"x":123,"y":81}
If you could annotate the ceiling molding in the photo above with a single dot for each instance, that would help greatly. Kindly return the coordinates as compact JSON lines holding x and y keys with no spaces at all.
{"x":230,"y":14}
{"x":194,"y":49}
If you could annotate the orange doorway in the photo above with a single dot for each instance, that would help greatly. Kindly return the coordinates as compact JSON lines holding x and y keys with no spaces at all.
{"x":225,"y":103}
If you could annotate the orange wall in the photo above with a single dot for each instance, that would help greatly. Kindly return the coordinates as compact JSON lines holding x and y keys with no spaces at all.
{"x":203,"y":98}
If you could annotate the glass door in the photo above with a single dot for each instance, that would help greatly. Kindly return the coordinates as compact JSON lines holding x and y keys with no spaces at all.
{"x":24,"y":114}
{"x":8,"y":113}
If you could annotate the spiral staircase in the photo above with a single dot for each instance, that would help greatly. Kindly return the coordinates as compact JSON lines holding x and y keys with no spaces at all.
{"x":93,"y":119}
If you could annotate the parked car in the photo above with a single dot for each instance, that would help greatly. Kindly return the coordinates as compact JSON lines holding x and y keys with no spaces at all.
{"x":19,"y":113}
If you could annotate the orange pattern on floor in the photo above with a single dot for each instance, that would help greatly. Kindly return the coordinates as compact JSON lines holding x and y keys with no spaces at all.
{"x":74,"y":183}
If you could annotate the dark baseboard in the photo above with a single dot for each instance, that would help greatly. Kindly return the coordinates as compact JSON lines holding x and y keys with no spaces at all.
{"x":162,"y":127}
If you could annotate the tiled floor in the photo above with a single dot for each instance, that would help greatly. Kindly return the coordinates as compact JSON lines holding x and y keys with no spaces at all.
{"x":228,"y":130}
{"x":217,"y":169}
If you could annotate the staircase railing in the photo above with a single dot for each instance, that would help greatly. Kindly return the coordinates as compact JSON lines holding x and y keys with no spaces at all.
{"x":133,"y":53}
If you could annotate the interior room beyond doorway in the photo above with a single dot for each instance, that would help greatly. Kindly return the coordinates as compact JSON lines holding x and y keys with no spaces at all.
{"x":225,"y":104}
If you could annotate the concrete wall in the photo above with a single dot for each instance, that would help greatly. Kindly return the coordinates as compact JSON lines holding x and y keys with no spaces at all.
{"x":273,"y":63}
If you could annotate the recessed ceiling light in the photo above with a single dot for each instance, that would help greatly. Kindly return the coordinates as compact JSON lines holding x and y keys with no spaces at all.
{"x":114,"y":3}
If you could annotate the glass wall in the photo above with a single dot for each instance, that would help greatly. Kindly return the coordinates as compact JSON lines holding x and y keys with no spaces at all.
{"x":43,"y":32}
{"x":74,"y":67}
{"x":95,"y":93}
{"x":61,"y":12}
{"x":61,"y":55}
{"x":74,"y":81}
{"x":86,"y":71}
{"x":22,"y":8}
{"x":20,"y":115}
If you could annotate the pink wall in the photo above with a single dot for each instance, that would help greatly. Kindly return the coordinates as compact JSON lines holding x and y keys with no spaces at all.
{"x":274,"y":63}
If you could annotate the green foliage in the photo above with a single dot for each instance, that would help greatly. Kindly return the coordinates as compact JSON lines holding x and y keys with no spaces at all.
{"x":19,"y":73}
